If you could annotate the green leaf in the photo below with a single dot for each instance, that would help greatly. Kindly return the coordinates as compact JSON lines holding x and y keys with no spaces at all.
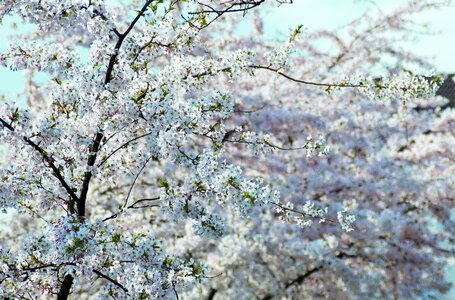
{"x":296,"y":32}
{"x":163,"y":183}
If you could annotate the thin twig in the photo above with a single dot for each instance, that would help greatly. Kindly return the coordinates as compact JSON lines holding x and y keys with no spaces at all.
{"x":47,"y":158}
{"x":123,"y":146}
{"x":143,"y":200}
{"x":305,"y":81}
{"x":111,"y":280}
{"x":135,"y":179}
{"x":301,"y":212}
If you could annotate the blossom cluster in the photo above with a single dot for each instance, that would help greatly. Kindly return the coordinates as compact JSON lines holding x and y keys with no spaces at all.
{"x":172,"y":157}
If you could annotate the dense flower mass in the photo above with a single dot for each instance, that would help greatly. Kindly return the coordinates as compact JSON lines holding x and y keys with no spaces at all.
{"x":168,"y":157}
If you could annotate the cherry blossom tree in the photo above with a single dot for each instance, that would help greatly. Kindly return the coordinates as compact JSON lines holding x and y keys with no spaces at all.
{"x":169,"y":157}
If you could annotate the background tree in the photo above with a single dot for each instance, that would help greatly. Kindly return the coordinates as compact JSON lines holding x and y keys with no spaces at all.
{"x":177,"y":161}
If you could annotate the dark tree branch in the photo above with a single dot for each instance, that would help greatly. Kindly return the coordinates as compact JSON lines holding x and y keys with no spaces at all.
{"x":175,"y":292}
{"x":123,"y":146}
{"x":300,"y":212}
{"x":143,"y":200}
{"x":107,"y":139}
{"x":268,"y":68}
{"x":65,"y":287}
{"x":133,"y":206}
{"x":233,"y":8}
{"x":301,"y":278}
{"x":95,"y":146}
{"x":144,"y":206}
{"x":149,"y":43}
{"x":111,"y":217}
{"x":212,"y":294}
{"x":134,"y":181}
{"x":268,"y":144}
{"x":329,"y":85}
{"x":111,"y":280}
{"x":120,"y":41}
{"x":248,"y":5}
{"x":50,"y":161}
{"x":88,"y":174}
{"x":298,"y":280}
{"x":232,"y":132}
{"x":32,"y":269}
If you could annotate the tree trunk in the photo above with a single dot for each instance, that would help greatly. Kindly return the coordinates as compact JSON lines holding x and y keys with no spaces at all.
{"x":65,"y":288}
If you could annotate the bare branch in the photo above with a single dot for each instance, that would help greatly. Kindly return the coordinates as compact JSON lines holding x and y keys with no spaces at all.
{"x":120,"y":41}
{"x":123,"y":146}
{"x":65,"y":287}
{"x":300,"y":212}
{"x":323,"y":84}
{"x":88,"y":174}
{"x":111,"y":280}
{"x":144,"y":200}
{"x":48,"y":159}
{"x":135,"y":179}
{"x":233,"y":8}
{"x":99,"y":136}
{"x":248,"y":5}
{"x":302,"y":277}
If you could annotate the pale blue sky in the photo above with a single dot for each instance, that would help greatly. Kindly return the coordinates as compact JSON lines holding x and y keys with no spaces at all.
{"x":331,"y":14}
